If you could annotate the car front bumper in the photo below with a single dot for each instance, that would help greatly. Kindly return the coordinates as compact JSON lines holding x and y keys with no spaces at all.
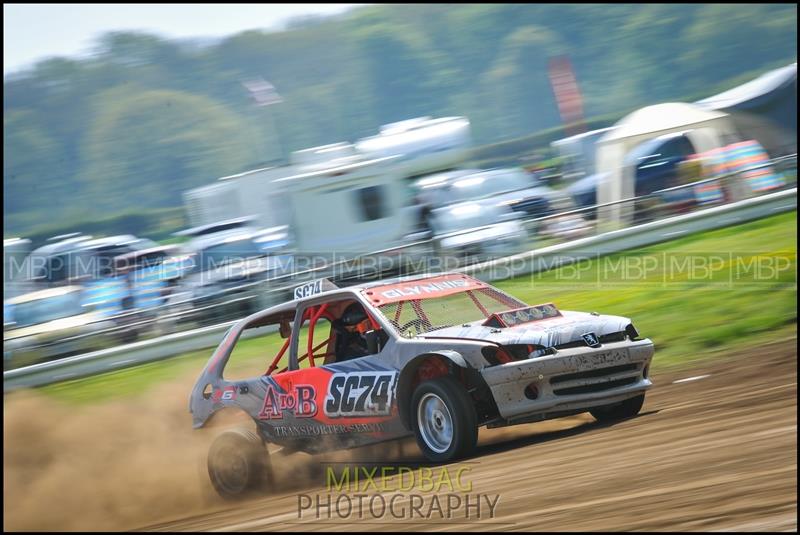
{"x":572,"y":379}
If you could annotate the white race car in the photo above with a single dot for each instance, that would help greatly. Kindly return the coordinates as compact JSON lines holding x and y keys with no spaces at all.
{"x":436,"y":357}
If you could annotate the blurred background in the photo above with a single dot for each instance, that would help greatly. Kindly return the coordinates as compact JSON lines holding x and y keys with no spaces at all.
{"x":188,"y":174}
{"x":170,"y":169}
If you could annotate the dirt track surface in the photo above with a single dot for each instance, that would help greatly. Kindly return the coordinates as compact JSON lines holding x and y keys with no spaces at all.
{"x":714,"y":453}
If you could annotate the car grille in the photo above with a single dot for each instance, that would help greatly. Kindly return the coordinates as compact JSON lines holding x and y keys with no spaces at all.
{"x":605,"y":339}
{"x":595,"y":380}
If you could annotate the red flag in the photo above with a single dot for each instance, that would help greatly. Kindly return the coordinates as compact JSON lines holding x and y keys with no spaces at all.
{"x":565,"y":89}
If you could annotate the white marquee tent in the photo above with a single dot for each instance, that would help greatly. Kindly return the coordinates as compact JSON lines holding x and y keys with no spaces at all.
{"x":706,"y":129}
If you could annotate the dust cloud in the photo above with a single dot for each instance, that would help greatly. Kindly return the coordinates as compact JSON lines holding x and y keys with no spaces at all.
{"x":118,"y":465}
{"x":104,"y":466}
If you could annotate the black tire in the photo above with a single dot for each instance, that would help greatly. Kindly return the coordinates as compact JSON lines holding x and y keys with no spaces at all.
{"x":627,"y":409}
{"x":432,"y":437}
{"x":238,"y":463}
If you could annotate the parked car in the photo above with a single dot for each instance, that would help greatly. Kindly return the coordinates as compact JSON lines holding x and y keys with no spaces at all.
{"x":169,"y":257}
{"x":656,"y":160}
{"x":56,"y":322}
{"x":654,"y":164}
{"x":515,"y":189}
{"x":474,"y":231}
{"x":434,"y":190}
{"x":50,"y":263}
{"x":76,"y":258}
{"x":140,"y":285}
{"x":584,"y":190}
{"x":225,"y":265}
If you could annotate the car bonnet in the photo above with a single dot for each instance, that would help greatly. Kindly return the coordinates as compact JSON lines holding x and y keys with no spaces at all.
{"x":568,"y":327}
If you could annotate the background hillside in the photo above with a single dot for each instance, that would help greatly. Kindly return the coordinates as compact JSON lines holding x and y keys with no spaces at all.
{"x":127,"y":130}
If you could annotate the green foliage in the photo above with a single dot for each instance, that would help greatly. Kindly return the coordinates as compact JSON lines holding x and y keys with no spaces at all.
{"x":519,"y":75}
{"x":400,"y":72}
{"x":144,"y":118}
{"x":30,"y":155}
{"x":177,"y":140}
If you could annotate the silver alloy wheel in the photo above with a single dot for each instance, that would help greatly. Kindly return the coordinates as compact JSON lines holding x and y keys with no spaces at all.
{"x":435,"y":423}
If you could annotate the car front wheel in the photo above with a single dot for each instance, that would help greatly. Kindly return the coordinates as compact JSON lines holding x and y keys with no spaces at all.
{"x":444,"y":420}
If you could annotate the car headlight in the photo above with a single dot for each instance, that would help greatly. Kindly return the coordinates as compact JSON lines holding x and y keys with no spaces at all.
{"x":631,"y":331}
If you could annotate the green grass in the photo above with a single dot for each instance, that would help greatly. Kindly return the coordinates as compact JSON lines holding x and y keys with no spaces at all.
{"x":690,"y":315}
{"x":721,"y":305}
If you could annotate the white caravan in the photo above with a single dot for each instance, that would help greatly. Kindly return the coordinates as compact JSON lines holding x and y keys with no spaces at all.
{"x":342,"y":198}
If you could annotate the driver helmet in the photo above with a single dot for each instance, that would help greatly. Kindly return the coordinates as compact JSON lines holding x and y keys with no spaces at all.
{"x":355,"y":316}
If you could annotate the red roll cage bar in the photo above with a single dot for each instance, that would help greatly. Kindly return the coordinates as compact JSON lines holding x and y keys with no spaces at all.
{"x":314,"y":313}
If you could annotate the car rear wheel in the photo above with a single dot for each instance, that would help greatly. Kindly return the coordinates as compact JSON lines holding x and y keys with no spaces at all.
{"x":444,"y":419}
{"x":237,"y":463}
{"x":627,"y":409}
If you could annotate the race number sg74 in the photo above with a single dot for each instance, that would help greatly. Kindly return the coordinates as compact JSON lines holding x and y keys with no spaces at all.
{"x":360,"y":394}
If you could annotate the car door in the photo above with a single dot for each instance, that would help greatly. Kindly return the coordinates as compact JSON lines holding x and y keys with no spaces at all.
{"x":350,"y":403}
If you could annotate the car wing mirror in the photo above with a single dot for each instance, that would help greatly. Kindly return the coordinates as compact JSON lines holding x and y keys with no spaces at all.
{"x":373,"y":342}
{"x":285,"y":329}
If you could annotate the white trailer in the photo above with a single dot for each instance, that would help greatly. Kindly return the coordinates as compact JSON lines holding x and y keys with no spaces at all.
{"x":355,"y":208}
{"x":422,"y":145}
{"x":348,"y":198}
{"x":250,"y":194}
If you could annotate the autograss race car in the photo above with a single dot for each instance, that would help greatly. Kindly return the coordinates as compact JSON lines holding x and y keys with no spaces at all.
{"x":436,"y":357}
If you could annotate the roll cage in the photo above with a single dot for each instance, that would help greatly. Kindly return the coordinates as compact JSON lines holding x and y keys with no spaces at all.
{"x":305,"y":314}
